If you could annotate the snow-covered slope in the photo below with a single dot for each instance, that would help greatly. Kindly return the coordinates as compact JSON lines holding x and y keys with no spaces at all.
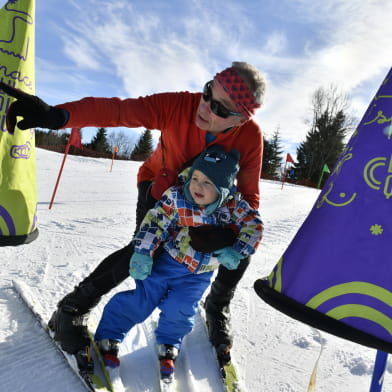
{"x":93,"y":215}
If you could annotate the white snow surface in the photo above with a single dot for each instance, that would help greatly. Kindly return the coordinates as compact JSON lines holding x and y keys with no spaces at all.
{"x":94,"y":215}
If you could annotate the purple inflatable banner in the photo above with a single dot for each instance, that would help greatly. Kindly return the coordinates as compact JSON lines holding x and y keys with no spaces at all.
{"x":339,"y":263}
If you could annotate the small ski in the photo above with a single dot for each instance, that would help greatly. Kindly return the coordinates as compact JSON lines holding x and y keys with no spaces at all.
{"x":168,"y":385}
{"x":112,"y":376}
{"x":227,"y":370}
{"x":88,"y":374}
{"x":229,"y":376}
{"x":115,"y":380}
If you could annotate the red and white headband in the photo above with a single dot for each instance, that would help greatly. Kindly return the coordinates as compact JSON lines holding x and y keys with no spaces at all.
{"x":238,"y":91}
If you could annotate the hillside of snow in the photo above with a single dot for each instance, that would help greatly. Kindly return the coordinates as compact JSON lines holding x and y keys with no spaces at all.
{"x":94,"y":215}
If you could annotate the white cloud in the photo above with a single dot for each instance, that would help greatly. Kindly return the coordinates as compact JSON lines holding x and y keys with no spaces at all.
{"x":276,"y":43}
{"x":355,"y":51}
{"x":299,"y":45}
{"x":81,"y":53}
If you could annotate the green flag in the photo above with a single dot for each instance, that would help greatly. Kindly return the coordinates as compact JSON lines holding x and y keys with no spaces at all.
{"x":18,"y":196}
{"x":325,"y":170}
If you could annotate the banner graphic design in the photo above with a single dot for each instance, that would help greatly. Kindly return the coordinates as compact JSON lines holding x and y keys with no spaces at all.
{"x":339,"y":263}
{"x":18,"y":196}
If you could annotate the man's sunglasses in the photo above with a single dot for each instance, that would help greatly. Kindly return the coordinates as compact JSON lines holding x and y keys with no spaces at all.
{"x":216,"y":107}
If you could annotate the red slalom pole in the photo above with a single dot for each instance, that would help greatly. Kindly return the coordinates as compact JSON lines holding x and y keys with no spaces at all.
{"x":58,"y":177}
{"x":115,"y":150}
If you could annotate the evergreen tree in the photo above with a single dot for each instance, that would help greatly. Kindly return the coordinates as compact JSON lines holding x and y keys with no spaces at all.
{"x":323,"y":145}
{"x":100,"y":142}
{"x":143,"y":147}
{"x":51,"y":138}
{"x":272,"y":154}
{"x":324,"y":142}
{"x":267,"y":156}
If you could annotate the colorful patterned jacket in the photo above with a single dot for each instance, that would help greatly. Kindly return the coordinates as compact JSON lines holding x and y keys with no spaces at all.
{"x":171,"y":217}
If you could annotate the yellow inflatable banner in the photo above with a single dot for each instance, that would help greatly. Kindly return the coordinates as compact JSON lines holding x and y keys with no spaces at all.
{"x":18,"y":196}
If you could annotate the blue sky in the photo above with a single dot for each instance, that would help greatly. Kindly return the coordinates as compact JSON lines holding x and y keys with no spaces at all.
{"x":129,"y":48}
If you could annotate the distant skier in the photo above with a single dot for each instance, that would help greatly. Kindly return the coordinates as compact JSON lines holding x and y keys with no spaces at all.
{"x":178,"y":276}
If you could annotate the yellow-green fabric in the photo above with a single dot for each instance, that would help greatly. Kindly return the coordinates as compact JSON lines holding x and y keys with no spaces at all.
{"x":18,"y":196}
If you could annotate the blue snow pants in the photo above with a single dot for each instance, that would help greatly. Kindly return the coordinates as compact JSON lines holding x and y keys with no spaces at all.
{"x":172,"y":288}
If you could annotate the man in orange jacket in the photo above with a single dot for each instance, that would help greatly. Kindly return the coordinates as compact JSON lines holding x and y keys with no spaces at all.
{"x":222,"y":114}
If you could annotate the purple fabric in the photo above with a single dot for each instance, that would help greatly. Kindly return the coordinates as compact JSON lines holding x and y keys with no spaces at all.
{"x":347,"y":235}
{"x":6,"y":217}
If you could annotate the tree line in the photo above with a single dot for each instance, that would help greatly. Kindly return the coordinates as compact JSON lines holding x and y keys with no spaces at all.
{"x":329,"y":124}
{"x":102,"y":142}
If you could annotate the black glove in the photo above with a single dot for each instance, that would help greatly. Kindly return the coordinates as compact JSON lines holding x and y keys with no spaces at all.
{"x":207,"y":239}
{"x":35,"y":112}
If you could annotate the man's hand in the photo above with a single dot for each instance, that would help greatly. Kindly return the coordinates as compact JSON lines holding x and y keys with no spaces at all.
{"x":35,"y":112}
{"x":207,"y":239}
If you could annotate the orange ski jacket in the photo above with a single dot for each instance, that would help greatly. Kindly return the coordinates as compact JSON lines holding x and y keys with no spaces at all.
{"x":174,"y":115}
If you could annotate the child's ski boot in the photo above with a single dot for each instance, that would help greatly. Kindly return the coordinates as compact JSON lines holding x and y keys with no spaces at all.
{"x":167,"y":356}
{"x":109,"y":351}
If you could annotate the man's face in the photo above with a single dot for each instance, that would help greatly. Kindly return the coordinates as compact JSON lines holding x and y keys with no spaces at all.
{"x":207,"y":120}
